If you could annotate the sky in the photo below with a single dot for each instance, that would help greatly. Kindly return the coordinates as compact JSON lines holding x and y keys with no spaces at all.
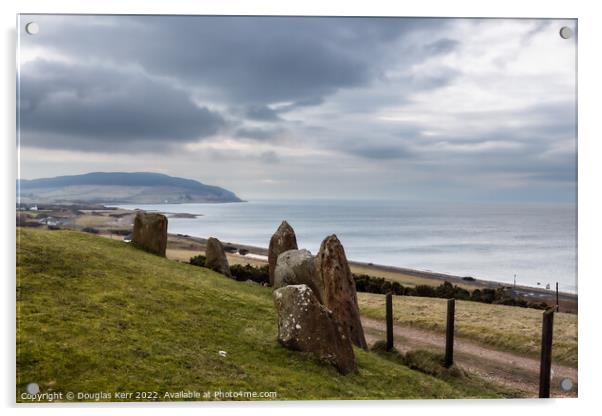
{"x":293,"y":107}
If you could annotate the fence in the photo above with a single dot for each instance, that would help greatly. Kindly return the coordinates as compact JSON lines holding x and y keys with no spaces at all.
{"x":545,"y":370}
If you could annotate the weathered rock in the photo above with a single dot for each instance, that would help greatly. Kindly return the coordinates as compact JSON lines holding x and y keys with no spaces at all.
{"x":150,"y":232}
{"x":215,"y":257}
{"x":284,"y":239}
{"x":304,"y":324}
{"x":298,"y":267}
{"x":339,"y":288}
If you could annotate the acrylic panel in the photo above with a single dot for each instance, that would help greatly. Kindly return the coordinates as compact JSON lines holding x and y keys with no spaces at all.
{"x":295,"y":208}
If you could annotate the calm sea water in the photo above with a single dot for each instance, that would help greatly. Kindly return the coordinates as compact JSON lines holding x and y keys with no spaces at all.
{"x":536,"y":242}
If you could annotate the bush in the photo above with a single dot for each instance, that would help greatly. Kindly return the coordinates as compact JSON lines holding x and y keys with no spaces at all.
{"x":461,"y":293}
{"x":370,"y":284}
{"x":425,"y":291}
{"x":197,"y":261}
{"x":90,"y":230}
{"x":122,"y":231}
{"x":488,"y":295}
{"x":247,"y":272}
{"x":446,"y":291}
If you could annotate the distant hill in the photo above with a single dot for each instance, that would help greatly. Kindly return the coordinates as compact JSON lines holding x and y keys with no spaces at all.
{"x":120,"y":187}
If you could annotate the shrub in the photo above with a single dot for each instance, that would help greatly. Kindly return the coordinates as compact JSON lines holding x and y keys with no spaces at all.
{"x":248,"y":272}
{"x":446,"y":291}
{"x":198,"y":261}
{"x":425,"y":291}
{"x":90,"y":230}
{"x":370,"y":284}
{"x":461,"y":293}
{"x":122,"y":231}
{"x":488,"y":295}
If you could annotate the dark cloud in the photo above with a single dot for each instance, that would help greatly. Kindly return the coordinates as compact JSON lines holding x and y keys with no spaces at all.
{"x":254,"y":60}
{"x":95,"y":108}
{"x":369,"y":90}
{"x":260,"y":134}
{"x":380,"y":152}
{"x":262,"y":113}
{"x":442,"y":46}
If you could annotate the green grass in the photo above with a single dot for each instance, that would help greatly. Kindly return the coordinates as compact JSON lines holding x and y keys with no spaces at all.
{"x":429,"y":362}
{"x":95,"y":314}
{"x":505,"y":327}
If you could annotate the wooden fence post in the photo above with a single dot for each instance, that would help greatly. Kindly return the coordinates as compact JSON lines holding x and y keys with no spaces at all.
{"x":389,"y":298}
{"x":449,"y":335}
{"x":545,"y":368}
{"x":557,"y":301}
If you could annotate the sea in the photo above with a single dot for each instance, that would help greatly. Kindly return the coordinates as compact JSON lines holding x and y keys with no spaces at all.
{"x":536,"y":244}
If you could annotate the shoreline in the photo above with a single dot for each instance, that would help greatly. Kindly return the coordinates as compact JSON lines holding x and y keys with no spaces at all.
{"x":112,"y":221}
{"x":568,"y":301}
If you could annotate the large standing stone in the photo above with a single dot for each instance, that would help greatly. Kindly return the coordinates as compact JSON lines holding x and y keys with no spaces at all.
{"x":150,"y":232}
{"x":284,"y":239}
{"x":304,"y":324}
{"x":215,"y":257}
{"x":298,"y":267}
{"x":339,"y":288}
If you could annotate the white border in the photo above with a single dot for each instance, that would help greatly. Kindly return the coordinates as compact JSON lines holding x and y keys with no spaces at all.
{"x":590,"y":206}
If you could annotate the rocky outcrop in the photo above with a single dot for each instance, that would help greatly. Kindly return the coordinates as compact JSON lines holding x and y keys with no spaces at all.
{"x":339,"y":288}
{"x":215,"y":257}
{"x":150,"y":232}
{"x":304,"y":324}
{"x":298,"y":267}
{"x":284,"y":239}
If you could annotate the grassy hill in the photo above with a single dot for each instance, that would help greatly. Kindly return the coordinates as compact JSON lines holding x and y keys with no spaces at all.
{"x":95,"y":314}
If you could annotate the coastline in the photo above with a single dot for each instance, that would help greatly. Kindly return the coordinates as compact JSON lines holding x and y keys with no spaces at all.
{"x":180,"y":248}
{"x":117,"y":222}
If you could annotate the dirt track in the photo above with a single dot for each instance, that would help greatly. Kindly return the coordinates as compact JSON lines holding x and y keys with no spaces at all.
{"x":500,"y":367}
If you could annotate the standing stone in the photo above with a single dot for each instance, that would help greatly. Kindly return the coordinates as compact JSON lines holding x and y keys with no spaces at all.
{"x":298,"y":267}
{"x":150,"y":232}
{"x":304,"y":324}
{"x":215,"y":257}
{"x":339,"y":288}
{"x":284,"y":239}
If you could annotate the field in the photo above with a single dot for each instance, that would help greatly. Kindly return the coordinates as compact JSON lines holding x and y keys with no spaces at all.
{"x":95,"y":314}
{"x":506,"y":327}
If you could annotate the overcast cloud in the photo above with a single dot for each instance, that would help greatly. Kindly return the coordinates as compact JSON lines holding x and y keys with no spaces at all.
{"x":420,"y":109}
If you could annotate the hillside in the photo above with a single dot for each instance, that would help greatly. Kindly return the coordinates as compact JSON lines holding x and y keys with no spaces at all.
{"x":99,"y":315}
{"x":120,"y":187}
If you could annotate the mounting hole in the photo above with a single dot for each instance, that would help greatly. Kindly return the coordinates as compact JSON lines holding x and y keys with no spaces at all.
{"x":33,"y":388}
{"x":32,"y":28}
{"x":566,"y":32}
{"x":566,"y":384}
